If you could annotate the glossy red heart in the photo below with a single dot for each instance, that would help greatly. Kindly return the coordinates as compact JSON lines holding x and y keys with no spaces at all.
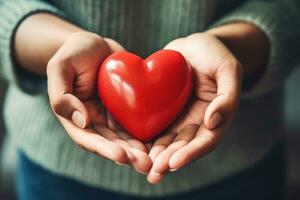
{"x":145,"y":96}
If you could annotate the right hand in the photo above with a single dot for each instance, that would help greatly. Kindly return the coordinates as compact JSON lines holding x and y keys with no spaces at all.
{"x":72,"y":75}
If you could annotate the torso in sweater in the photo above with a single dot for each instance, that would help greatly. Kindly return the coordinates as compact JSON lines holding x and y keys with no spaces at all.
{"x":142,"y":26}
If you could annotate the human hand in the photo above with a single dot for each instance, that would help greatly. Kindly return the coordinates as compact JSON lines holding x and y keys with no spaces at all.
{"x":72,"y":74}
{"x":217,"y":81}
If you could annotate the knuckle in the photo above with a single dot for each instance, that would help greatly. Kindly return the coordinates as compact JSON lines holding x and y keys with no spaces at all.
{"x":212,"y":147}
{"x":194,"y":35}
{"x":118,"y":155}
{"x":175,"y":44}
{"x":234,"y":65}
{"x":90,"y":38}
{"x":230,"y":62}
{"x":238,"y":68}
{"x":211,"y":139}
{"x":59,"y":60}
{"x":199,"y":37}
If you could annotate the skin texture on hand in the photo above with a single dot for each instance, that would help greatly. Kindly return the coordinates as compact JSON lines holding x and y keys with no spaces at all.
{"x":217,"y":79}
{"x":70,"y":57}
{"x":72,"y":75}
{"x":37,"y":39}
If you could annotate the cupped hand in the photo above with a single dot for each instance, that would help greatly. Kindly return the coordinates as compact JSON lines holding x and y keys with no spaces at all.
{"x":72,"y":74}
{"x":217,"y":81}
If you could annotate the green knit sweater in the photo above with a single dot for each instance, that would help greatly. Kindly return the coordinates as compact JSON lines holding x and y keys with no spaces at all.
{"x":144,"y":26}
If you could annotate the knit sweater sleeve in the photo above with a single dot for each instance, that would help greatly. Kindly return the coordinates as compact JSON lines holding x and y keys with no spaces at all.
{"x":12,"y":13}
{"x":281,"y":25}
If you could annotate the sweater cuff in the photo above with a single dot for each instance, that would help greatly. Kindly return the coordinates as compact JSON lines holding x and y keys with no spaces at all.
{"x":12,"y":14}
{"x":277,"y":25}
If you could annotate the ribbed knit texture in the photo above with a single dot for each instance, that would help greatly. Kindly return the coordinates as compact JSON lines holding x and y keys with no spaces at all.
{"x":144,"y":26}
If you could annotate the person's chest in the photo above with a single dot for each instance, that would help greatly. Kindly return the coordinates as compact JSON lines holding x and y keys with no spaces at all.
{"x":141,"y":26}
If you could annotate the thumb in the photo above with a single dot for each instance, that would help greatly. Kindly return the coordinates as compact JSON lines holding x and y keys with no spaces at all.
{"x":113,"y":45}
{"x":62,"y":101}
{"x":221,"y":110}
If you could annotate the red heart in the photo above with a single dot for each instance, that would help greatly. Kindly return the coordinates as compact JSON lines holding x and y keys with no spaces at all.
{"x":145,"y":96}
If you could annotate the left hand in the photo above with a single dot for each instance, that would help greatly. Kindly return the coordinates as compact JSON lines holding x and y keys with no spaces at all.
{"x":217,"y":82}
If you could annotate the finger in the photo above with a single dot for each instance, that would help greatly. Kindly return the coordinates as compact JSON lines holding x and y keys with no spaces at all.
{"x":155,"y":178}
{"x":221,"y":109}
{"x":138,"y":159}
{"x":114,"y":137}
{"x":106,"y":132}
{"x":62,"y":101}
{"x":111,"y":136}
{"x":133,"y":142}
{"x":119,"y":137}
{"x":161,"y":163}
{"x":161,"y":144}
{"x":204,"y":142}
{"x":93,"y":142}
{"x":194,"y":114}
{"x":113,"y":45}
{"x":149,"y":146}
{"x":112,"y":123}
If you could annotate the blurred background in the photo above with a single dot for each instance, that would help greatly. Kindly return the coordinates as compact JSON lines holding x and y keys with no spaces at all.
{"x":292,"y":112}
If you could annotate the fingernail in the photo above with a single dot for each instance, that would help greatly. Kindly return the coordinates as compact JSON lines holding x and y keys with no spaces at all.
{"x":118,"y":163}
{"x":78,"y":119}
{"x":141,"y":172}
{"x":215,"y":120}
{"x":173,"y":170}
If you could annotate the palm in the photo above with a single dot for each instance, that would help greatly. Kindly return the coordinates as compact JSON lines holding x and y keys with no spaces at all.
{"x":200,"y":99}
{"x":72,"y":76}
{"x":184,"y":129}
{"x":103,"y":124}
{"x":189,"y":136}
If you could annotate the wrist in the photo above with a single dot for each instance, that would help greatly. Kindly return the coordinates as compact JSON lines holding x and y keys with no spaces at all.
{"x":248,"y":43}
{"x":37,"y":38}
